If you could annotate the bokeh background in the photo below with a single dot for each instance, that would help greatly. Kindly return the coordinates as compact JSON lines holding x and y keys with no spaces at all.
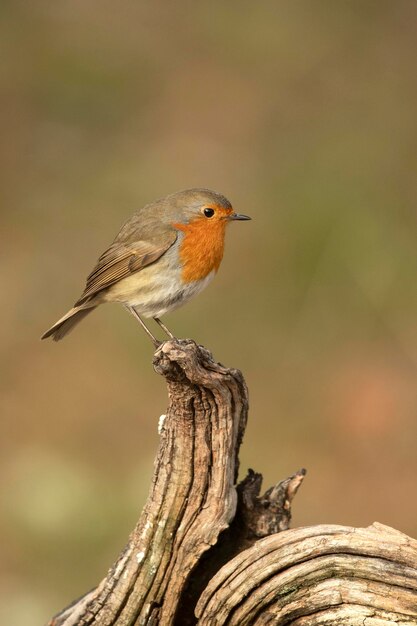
{"x":304,"y":115}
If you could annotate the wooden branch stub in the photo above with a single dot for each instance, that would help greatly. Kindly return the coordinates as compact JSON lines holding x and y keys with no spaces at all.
{"x":317,"y":576}
{"x":270,"y":513}
{"x":191,"y":500}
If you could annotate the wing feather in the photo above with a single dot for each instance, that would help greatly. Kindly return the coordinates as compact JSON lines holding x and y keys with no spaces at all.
{"x":122,"y":260}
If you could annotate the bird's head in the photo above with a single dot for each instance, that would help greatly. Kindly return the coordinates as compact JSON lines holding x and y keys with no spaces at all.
{"x":202,"y":206}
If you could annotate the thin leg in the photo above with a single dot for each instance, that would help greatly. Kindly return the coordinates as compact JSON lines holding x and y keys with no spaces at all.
{"x":164,"y":328}
{"x":132,"y":310}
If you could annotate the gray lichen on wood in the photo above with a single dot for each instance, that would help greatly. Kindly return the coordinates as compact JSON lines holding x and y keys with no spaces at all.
{"x":209,"y":552}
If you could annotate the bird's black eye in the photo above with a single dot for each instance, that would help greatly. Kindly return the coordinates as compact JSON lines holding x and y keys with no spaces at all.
{"x":208,"y":212}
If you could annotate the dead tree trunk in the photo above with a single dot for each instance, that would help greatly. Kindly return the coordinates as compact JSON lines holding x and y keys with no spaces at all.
{"x":208,"y":552}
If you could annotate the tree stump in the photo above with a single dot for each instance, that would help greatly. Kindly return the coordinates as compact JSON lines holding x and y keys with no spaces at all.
{"x":209,"y":552}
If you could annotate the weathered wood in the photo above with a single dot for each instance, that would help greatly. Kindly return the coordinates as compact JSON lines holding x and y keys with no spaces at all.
{"x":256,"y":516}
{"x":316,"y":576}
{"x":208,"y":552}
{"x":192,"y":497}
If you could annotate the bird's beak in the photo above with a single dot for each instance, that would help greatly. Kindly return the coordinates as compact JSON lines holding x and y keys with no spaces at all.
{"x":238,"y":216}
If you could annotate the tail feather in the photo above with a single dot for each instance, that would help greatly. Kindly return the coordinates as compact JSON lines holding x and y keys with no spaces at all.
{"x":63,"y":326}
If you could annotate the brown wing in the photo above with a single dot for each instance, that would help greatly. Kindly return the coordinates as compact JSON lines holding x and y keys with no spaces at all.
{"x":122,"y":260}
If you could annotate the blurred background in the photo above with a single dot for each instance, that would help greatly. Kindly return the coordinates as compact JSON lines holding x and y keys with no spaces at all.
{"x":304,"y":115}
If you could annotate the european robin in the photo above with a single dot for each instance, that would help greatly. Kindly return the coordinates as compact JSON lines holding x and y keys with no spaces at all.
{"x":165,"y":254}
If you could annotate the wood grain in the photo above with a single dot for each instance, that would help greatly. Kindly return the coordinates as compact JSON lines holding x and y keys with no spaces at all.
{"x":209,"y":552}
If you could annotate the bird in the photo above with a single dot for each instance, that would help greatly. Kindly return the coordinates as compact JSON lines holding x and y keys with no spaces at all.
{"x":166,"y":253}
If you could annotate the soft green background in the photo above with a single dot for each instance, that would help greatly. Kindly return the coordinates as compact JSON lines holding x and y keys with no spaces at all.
{"x":304,"y":114}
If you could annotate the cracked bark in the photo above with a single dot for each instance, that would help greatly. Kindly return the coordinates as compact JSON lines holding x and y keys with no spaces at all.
{"x":209,"y":552}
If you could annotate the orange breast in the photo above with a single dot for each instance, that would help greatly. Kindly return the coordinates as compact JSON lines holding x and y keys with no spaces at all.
{"x":201,"y":249}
